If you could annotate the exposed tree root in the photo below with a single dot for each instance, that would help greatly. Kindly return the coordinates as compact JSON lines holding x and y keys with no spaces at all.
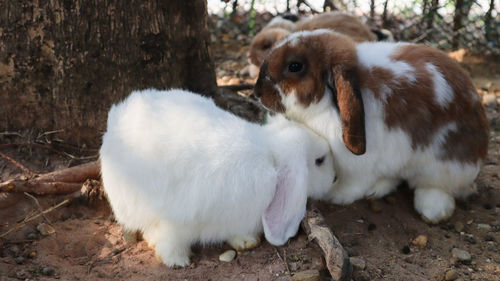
{"x":63,"y":181}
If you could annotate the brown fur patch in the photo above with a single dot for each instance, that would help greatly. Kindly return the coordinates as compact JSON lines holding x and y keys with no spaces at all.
{"x":351,"y":109}
{"x":343,"y":23}
{"x":412,"y":106}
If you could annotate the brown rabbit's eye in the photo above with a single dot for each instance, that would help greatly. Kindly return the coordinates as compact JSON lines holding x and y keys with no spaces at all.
{"x":267,"y":46}
{"x":319,"y":161}
{"x":295,"y":67}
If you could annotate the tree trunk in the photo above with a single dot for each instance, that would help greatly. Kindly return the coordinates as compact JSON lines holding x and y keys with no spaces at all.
{"x":384,"y":14}
{"x":425,"y":7}
{"x":63,"y":63}
{"x":432,"y":13}
{"x":488,"y":21}
{"x":460,"y":14}
{"x":372,"y":10}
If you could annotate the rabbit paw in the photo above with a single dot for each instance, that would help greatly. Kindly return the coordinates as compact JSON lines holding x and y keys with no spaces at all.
{"x":172,"y":256}
{"x":244,"y":242}
{"x":433,"y":204}
{"x":382,"y":187}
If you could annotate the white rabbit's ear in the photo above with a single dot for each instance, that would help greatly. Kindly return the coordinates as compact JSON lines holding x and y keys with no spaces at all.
{"x":282,"y":217}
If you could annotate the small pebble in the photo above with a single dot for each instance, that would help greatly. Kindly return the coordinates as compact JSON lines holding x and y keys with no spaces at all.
{"x":484,"y":226}
{"x":375,"y":206}
{"x":460,"y":255}
{"x":420,"y":241}
{"x":19,"y":260}
{"x":32,"y":255}
{"x":459,"y":227}
{"x":357,"y":263}
{"x":227,"y":256}
{"x":31,"y":236}
{"x":48,"y":271}
{"x":450,"y":275}
{"x":306,"y":275}
{"x":372,"y":226}
{"x":45,"y":229}
{"x":406,"y":250}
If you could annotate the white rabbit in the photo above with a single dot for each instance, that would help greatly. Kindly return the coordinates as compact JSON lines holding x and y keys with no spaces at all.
{"x":391,"y":111}
{"x":182,"y":170}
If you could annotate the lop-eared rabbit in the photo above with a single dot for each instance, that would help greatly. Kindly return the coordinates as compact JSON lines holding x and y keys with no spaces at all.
{"x":391,"y":112}
{"x":279,"y":28}
{"x":181,"y":170}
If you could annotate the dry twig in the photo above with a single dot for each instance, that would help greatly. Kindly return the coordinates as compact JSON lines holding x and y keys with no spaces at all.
{"x":39,"y":206}
{"x":89,"y":190}
{"x":337,"y":260}
{"x":283,"y":260}
{"x":30,"y":218}
{"x":19,"y":165}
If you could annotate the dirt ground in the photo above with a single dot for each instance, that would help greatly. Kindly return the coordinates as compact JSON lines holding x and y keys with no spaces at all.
{"x":87,"y":243}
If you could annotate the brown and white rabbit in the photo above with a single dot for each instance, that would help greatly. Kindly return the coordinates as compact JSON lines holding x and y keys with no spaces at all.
{"x":279,"y":28}
{"x":340,"y":22}
{"x":391,"y":112}
{"x":276,"y":30}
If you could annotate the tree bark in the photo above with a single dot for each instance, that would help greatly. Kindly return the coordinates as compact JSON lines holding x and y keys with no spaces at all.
{"x":488,"y":21}
{"x":432,"y":13}
{"x":384,"y":14}
{"x":425,"y":7}
{"x":372,"y":10}
{"x":63,"y":63}
{"x":457,"y":22}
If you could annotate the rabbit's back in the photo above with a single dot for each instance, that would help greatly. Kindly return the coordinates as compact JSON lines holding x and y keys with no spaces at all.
{"x":180,"y":157}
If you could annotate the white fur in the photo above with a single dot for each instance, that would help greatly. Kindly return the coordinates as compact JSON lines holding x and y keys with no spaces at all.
{"x":294,"y":37}
{"x":181,"y":170}
{"x":389,"y":156}
{"x":378,"y":54}
{"x":442,"y":90}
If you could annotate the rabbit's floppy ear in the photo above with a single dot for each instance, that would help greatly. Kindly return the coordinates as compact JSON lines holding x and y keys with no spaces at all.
{"x":282,"y":217}
{"x":344,"y":86}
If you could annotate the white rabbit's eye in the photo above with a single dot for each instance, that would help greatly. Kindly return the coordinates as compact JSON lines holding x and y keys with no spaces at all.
{"x":295,"y":67}
{"x":319,"y":161}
